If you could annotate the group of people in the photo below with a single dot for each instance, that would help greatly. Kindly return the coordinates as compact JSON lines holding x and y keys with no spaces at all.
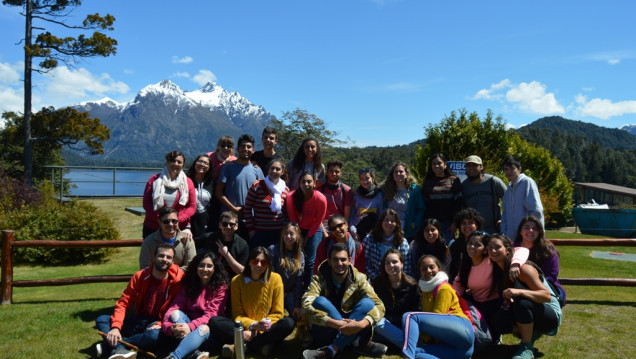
{"x":278,"y":246}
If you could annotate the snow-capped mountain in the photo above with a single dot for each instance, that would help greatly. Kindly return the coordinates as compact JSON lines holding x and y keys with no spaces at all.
{"x":163,"y":117}
{"x":629,"y":128}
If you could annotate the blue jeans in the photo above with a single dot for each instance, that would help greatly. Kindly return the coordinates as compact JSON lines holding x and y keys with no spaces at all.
{"x":193,"y":340}
{"x":325,"y":335}
{"x":455,"y":334}
{"x":390,"y":332}
{"x":134,"y":331}
{"x":310,"y":246}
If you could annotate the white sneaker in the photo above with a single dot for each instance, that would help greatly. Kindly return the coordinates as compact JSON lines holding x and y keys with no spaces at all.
{"x":121,"y":353}
{"x":98,"y":350}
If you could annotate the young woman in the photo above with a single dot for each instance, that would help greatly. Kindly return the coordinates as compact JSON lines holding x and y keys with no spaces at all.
{"x":257,"y":301}
{"x":203,"y":295}
{"x":530,"y":235}
{"x":171,"y":188}
{"x":399,"y":293}
{"x":442,"y":192}
{"x":201,"y":175}
{"x":308,"y":158}
{"x":430,"y":240}
{"x":307,"y":208}
{"x":223,"y":154}
{"x":475,"y":280}
{"x":448,"y":333}
{"x":535,"y":308}
{"x":288,"y":260}
{"x":402,"y":194}
{"x":467,"y":220}
{"x":386,"y":234}
{"x":264,"y":210}
{"x":367,"y":205}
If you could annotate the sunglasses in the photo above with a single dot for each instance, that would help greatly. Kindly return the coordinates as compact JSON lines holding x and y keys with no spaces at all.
{"x":255,"y":262}
{"x":336,"y":226}
{"x":363,"y":170}
{"x":228,"y":224}
{"x":484,"y":235}
{"x":168,"y":221}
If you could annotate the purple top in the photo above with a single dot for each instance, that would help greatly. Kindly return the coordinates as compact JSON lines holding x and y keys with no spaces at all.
{"x":550,"y":268}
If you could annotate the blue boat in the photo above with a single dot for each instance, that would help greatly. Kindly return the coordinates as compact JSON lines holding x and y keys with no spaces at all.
{"x":618,"y":223}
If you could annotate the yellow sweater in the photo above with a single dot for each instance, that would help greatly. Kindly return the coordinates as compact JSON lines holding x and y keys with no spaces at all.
{"x":445,"y":301}
{"x":253,"y":301}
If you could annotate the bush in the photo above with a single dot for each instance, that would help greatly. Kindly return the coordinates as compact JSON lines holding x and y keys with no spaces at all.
{"x":14,"y":194}
{"x":72,"y":221}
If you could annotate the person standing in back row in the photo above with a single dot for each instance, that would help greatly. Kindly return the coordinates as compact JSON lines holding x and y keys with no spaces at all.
{"x":267,"y":154}
{"x":483,"y":192}
{"x":520,"y":199}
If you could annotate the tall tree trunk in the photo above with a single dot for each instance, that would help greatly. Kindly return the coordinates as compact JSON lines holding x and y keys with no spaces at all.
{"x":28,"y":141}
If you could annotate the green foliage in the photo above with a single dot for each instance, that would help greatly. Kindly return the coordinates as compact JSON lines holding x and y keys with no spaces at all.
{"x":51,"y":129}
{"x":51,"y":220}
{"x":295,"y":126}
{"x":463,"y":134}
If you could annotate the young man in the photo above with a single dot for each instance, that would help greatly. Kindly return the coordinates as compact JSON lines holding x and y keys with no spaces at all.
{"x":168,"y":233}
{"x":483,"y":192}
{"x":339,"y":233}
{"x":232,"y":249}
{"x":341,"y":306}
{"x":338,"y":195}
{"x":150,"y":291}
{"x":520,"y":199}
{"x":264,"y":156}
{"x":235,"y":180}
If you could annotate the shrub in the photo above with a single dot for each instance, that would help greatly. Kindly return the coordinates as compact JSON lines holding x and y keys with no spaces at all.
{"x":14,"y":194}
{"x":70,"y":221}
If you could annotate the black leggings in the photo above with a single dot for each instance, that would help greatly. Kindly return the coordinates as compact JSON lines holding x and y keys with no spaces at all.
{"x":525,"y":311}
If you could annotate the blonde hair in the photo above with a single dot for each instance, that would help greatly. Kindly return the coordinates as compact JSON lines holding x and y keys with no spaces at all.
{"x":293,"y":263}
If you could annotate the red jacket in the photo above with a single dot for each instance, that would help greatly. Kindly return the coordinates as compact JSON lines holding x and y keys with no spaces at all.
{"x":136,"y":290}
{"x":185,"y":212}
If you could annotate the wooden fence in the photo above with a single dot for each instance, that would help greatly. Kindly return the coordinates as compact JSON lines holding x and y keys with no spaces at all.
{"x":8,"y":243}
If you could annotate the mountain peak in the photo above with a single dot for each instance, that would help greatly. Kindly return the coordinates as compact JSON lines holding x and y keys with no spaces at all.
{"x":210,"y":87}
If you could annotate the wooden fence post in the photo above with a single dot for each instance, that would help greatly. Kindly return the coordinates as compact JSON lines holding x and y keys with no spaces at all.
{"x":7,"y":267}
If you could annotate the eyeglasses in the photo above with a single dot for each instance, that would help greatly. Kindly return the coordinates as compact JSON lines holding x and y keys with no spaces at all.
{"x":168,"y":221}
{"x":255,"y":262}
{"x":336,"y":226}
{"x":228,"y":224}
{"x":202,"y":162}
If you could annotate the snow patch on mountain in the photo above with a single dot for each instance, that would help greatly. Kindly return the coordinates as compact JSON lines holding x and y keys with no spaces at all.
{"x":629,"y":128}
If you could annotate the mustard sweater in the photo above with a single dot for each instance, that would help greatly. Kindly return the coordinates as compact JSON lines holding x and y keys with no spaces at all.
{"x":253,"y":301}
{"x":445,"y":301}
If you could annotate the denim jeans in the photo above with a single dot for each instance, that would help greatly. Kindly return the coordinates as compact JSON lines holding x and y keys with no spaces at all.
{"x":325,"y":335}
{"x":134,"y":331}
{"x":193,"y":340}
{"x":310,"y":246}
{"x":455,"y":334}
{"x":390,"y":332}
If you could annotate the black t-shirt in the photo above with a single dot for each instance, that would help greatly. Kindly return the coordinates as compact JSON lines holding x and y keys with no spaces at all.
{"x":262,"y":161}
{"x":238,"y":248}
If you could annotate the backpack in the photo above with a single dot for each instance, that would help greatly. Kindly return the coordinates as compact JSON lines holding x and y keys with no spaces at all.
{"x":483,"y":337}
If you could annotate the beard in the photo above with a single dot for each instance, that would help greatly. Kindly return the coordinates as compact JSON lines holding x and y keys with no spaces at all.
{"x":161,"y":266}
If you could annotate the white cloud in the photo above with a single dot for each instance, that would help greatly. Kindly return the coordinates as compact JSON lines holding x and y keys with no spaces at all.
{"x":603,"y":108}
{"x":530,"y":97}
{"x":10,"y":74}
{"x":613,"y":61}
{"x":203,"y":77}
{"x":181,"y":74}
{"x":11,"y":99}
{"x":182,"y":60}
{"x":64,"y":83}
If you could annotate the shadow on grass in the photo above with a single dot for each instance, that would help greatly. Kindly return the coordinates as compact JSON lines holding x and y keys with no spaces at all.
{"x":91,"y":315}
{"x":114,"y":299}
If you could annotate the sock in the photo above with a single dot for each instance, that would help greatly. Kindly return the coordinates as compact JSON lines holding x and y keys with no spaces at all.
{"x":332,"y":350}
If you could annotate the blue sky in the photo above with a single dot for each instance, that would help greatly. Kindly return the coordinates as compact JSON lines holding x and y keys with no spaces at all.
{"x":376,"y":71}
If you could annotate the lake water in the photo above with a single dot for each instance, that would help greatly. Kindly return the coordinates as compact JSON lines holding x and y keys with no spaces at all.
{"x":99,"y":182}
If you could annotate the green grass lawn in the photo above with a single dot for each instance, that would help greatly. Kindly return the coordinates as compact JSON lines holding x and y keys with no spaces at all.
{"x":58,"y":322}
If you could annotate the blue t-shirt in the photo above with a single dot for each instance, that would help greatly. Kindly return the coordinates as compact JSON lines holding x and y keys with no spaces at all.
{"x":238,"y":178}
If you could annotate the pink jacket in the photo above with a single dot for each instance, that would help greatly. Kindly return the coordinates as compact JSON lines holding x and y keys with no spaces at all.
{"x":206,"y":306}
{"x":185,"y":212}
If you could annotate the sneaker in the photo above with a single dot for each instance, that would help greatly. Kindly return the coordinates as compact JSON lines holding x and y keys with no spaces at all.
{"x":321,"y":353}
{"x":98,"y":350}
{"x":197,"y":354}
{"x":170,"y":357}
{"x":227,"y":351}
{"x":371,"y":349}
{"x":122,"y":353}
{"x":524,"y":351}
{"x":267,"y":349}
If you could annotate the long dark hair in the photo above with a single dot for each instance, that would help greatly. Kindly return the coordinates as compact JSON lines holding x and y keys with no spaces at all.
{"x":299,"y":159}
{"x":447,"y":171}
{"x":502,"y":275}
{"x":298,"y":198}
{"x":207,"y":178}
{"x":466,"y":263}
{"x":247,"y":271}
{"x":398,"y":233}
{"x":542,"y":248}
{"x":192,"y":282}
{"x":439,"y":247}
{"x":385,"y":277}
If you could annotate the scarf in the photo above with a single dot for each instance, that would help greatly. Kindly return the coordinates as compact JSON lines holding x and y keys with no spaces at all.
{"x":332,"y":186}
{"x":277,"y":189}
{"x":368,"y":194}
{"x":163,"y":181}
{"x":428,"y":286}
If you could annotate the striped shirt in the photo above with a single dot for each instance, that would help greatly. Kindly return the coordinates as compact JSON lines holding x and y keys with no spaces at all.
{"x":257,"y":211}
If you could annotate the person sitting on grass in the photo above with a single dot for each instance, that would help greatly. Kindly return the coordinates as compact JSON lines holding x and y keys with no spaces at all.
{"x":150,"y":291}
{"x":342,"y":307}
{"x":203,"y":295}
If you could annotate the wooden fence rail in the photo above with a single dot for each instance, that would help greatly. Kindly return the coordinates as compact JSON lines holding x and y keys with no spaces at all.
{"x":8,"y":243}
